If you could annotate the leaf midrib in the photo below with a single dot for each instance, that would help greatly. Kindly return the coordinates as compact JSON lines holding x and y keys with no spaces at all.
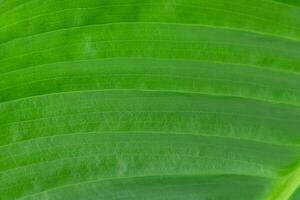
{"x":286,"y":186}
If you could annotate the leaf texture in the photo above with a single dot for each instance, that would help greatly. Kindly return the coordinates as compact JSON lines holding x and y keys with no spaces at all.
{"x":152,"y":100}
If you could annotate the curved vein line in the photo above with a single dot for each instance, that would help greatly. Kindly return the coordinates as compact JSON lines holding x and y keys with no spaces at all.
{"x":280,"y":37}
{"x":141,"y":74}
{"x":148,"y":111}
{"x":134,"y":177}
{"x":156,"y":59}
{"x":139,"y":90}
{"x":283,"y":3}
{"x":42,"y":50}
{"x":16,"y":7}
{"x":258,"y":66}
{"x":163,"y":4}
{"x":171,"y":133}
{"x":264,"y":99}
{"x":11,"y":156}
{"x":147,"y":75}
{"x":196,"y":134}
{"x":125,"y":74}
{"x":147,"y":91}
{"x":272,"y":170}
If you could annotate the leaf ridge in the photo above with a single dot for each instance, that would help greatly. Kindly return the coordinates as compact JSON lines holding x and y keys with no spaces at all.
{"x":287,"y":186}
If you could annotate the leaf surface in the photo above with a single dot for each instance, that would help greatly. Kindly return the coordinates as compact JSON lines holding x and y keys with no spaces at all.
{"x":154,"y":100}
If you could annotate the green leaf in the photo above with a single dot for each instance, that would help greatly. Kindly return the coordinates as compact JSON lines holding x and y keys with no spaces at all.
{"x":151,"y":100}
